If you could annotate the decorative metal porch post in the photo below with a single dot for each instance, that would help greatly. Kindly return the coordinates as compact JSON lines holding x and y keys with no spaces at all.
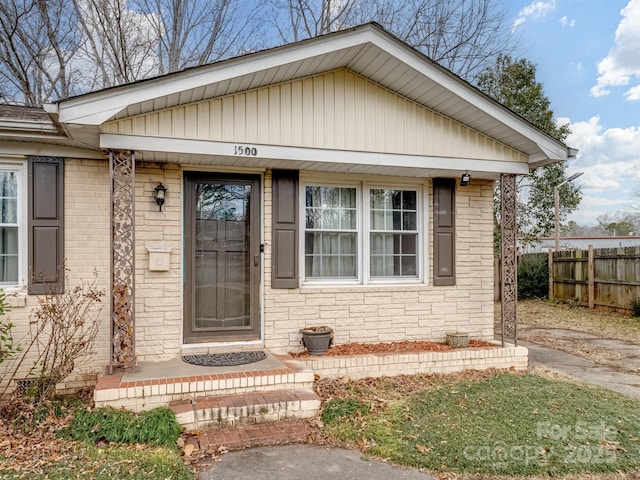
{"x":509,"y":287}
{"x":122,"y":171}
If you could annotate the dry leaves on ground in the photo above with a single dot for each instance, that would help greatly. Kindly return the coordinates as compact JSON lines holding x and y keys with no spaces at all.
{"x":406,"y":346}
{"x":538,"y":313}
{"x":31,"y":450}
{"x":538,"y":320}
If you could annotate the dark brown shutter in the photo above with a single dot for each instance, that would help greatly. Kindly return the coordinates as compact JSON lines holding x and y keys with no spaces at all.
{"x":284,"y":261}
{"x":46,"y":223}
{"x":444,"y":231}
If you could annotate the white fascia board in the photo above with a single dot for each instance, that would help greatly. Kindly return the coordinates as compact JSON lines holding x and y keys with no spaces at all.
{"x":27,"y":126}
{"x":202,"y":147}
{"x":48,"y":150}
{"x":96,"y":108}
{"x":555,"y":154}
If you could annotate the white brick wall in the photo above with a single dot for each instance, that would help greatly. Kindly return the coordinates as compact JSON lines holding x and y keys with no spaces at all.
{"x":86,"y":245}
{"x":158,"y":294}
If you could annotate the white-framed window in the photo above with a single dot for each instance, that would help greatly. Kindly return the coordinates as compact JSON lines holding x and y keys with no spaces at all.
{"x":361,"y":233}
{"x":393,"y":233}
{"x":12,"y":249}
{"x":331,"y":232}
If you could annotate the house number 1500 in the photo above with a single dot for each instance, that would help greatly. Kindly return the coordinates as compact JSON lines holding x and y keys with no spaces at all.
{"x":245,"y":151}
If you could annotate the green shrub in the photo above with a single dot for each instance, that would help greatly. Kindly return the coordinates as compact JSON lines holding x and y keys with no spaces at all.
{"x":635,"y":308}
{"x":155,"y":427}
{"x":533,"y":276}
{"x":341,"y":407}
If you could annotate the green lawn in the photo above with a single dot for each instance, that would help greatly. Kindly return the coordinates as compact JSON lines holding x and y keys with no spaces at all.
{"x":498,"y":424}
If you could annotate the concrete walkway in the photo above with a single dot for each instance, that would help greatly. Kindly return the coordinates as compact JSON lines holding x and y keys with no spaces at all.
{"x":587,"y":370}
{"x":306,"y":462}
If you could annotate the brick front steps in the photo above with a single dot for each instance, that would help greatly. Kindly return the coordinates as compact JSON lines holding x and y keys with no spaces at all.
{"x":248,"y":408}
{"x":156,"y":388}
{"x":284,"y":389}
{"x":259,"y":435}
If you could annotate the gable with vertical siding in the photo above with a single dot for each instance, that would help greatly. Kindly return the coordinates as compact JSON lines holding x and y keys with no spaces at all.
{"x":337,"y":110}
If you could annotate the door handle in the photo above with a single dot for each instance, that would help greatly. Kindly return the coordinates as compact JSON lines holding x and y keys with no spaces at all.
{"x":256,"y":260}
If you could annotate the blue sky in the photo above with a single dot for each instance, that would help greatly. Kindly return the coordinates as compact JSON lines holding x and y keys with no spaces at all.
{"x":587,"y":54}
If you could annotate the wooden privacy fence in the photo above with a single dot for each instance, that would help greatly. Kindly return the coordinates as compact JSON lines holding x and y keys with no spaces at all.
{"x":597,"y":278}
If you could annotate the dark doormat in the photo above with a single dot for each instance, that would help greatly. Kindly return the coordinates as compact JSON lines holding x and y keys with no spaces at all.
{"x":225,"y":359}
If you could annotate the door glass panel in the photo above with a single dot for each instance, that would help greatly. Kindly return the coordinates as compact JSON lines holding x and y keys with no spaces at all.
{"x":222,"y":269}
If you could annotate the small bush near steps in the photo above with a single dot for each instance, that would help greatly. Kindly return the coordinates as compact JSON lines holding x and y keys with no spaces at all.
{"x":110,"y":425}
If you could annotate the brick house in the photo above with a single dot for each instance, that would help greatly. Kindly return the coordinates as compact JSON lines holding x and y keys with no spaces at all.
{"x":318,"y":183}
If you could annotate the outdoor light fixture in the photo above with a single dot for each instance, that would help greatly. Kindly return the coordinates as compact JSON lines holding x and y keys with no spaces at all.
{"x":465,"y":179}
{"x":158,"y":194}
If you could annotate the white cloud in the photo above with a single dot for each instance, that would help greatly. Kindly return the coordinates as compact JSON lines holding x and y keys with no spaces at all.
{"x":564,"y":21}
{"x":610,"y":160}
{"x":538,"y":9}
{"x":533,"y":10}
{"x":622,"y":64}
{"x":633,"y":93}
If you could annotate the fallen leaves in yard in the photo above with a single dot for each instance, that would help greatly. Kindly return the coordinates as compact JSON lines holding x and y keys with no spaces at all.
{"x":381,"y":391}
{"x":422,"y":448}
{"x":407,"y":346}
{"x":188,"y":449}
{"x":539,"y":320}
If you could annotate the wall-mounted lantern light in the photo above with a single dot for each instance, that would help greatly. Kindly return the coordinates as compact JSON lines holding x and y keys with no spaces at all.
{"x":158,"y":194}
{"x":465,"y":179}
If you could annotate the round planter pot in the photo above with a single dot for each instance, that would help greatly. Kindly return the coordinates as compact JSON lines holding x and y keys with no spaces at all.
{"x":458,"y":339}
{"x":316,"y":340}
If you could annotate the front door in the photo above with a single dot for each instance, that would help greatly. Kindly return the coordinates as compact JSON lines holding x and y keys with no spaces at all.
{"x":222,"y":252}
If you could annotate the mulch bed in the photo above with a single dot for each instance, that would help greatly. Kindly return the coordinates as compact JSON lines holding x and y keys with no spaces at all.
{"x":393,"y":347}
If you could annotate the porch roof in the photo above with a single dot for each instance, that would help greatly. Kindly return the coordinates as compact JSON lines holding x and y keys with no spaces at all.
{"x":368,"y":50}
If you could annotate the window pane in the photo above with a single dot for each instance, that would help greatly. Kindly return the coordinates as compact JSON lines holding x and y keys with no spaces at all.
{"x":348,"y":196}
{"x":409,"y":200}
{"x":409,"y":221}
{"x":396,"y":197}
{"x":393,"y":210}
{"x":409,"y":244}
{"x":330,"y":254}
{"x":329,"y":220}
{"x":348,"y":219}
{"x":8,"y":197}
{"x":380,"y":199}
{"x":393,"y":255}
{"x":376,"y":245}
{"x":381,"y":220}
{"x":397,"y":221}
{"x":9,"y":255}
{"x":312,"y":217}
{"x":408,"y":265}
{"x":330,"y":208}
{"x":377,"y":266}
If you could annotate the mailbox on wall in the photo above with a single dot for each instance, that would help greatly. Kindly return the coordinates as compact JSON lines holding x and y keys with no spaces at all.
{"x":159,"y":259}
